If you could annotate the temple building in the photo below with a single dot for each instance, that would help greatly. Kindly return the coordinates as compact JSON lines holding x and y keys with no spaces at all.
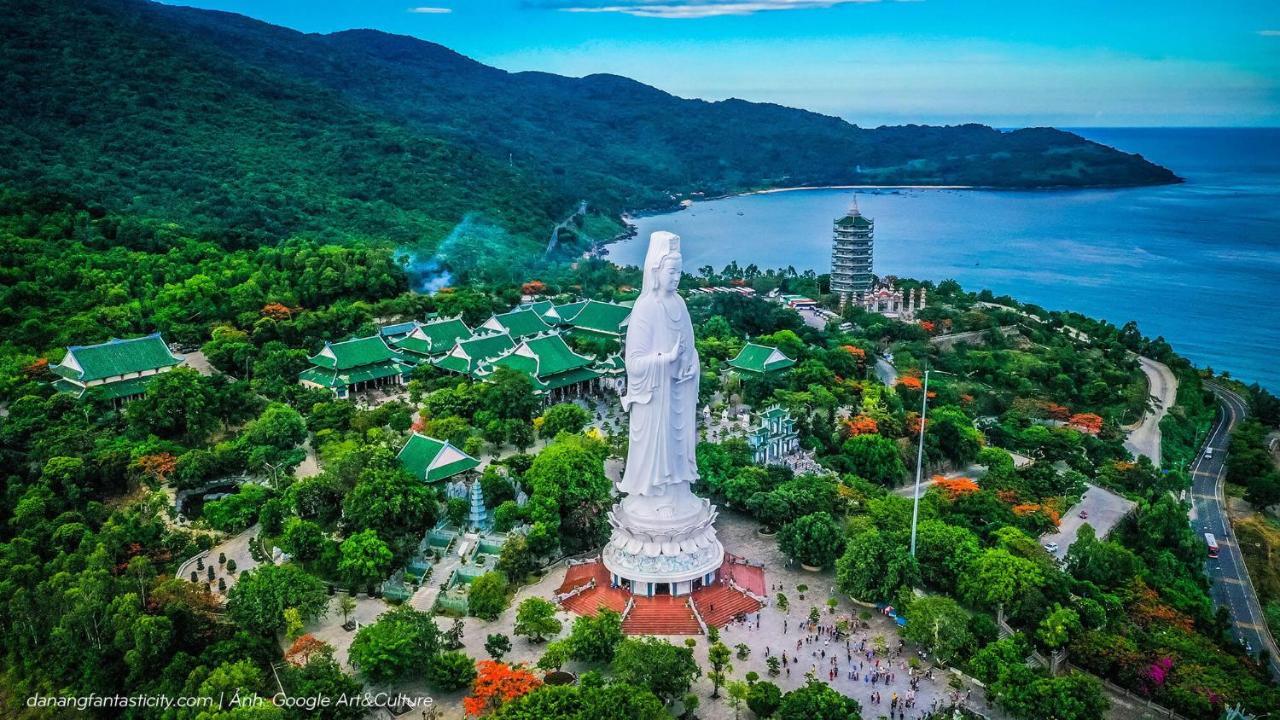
{"x":596,"y":319}
{"x":434,"y":461}
{"x":428,"y":341}
{"x":517,"y":323}
{"x":354,"y":365}
{"x":556,"y":370}
{"x":891,"y":302}
{"x":760,"y":360}
{"x":466,"y":356}
{"x":852,"y":244}
{"x":774,"y":438}
{"x":119,"y":370}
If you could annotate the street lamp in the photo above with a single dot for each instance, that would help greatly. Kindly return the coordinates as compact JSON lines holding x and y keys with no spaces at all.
{"x":924,"y":411}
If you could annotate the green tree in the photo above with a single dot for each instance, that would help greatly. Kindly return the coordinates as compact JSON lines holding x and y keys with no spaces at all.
{"x":321,"y":677}
{"x":302,"y":539}
{"x":998,"y":577}
{"x":815,"y":540}
{"x":666,"y":669}
{"x":764,"y":698}
{"x":564,"y":417}
{"x":259,"y":598}
{"x":874,"y":567}
{"x":718,"y":658}
{"x":570,"y":473}
{"x":451,"y":670}
{"x":177,"y":405}
{"x":497,"y":645}
{"x":738,"y":691}
{"x":594,"y":639}
{"x":874,"y":458}
{"x":536,"y":619}
{"x":1058,"y":626}
{"x":400,"y":644}
{"x":944,"y":553}
{"x":817,"y":701}
{"x":392,"y":504}
{"x":487,"y":597}
{"x":940,"y":624}
{"x":515,"y":560}
{"x":365,"y":559}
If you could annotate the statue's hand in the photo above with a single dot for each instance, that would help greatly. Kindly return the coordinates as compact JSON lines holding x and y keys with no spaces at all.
{"x":673,"y":355}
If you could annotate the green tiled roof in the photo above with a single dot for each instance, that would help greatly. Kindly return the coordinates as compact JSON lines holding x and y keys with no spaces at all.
{"x":123,"y":388}
{"x":341,"y":378}
{"x":569,"y":311}
{"x":434,"y":338}
{"x":545,"y":309}
{"x":466,"y":355}
{"x":549,"y":362}
{"x":354,"y":353}
{"x":543,"y":357}
{"x":601,"y":317}
{"x":854,"y":220}
{"x":761,"y":359}
{"x":612,"y":365}
{"x":434,"y":460}
{"x":87,"y":363}
{"x":518,"y":323}
{"x":568,"y":378}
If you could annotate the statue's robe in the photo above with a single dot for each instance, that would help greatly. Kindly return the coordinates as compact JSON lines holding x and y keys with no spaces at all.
{"x":662,"y":397}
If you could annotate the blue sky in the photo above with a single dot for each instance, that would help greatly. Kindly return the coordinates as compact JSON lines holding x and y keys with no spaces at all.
{"x":1009,"y":64}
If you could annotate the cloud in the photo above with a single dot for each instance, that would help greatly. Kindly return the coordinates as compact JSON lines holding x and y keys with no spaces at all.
{"x":431,"y":10}
{"x":685,"y":9}
{"x":1269,"y":33}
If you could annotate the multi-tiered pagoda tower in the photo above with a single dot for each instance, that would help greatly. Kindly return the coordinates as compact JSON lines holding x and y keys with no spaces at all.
{"x":853,"y":238}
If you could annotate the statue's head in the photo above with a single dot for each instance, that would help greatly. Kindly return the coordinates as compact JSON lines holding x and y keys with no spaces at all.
{"x":662,"y":264}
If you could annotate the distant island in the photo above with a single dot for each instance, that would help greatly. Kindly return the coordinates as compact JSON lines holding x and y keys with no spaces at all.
{"x":251,"y":133}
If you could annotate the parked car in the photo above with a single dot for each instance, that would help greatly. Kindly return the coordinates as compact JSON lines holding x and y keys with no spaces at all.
{"x":1084,"y":514}
{"x":1051,"y":547}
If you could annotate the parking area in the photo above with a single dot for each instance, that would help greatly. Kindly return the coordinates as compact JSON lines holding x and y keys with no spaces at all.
{"x":1104,"y":510}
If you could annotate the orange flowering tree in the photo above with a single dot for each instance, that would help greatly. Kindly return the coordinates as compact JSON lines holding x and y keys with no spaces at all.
{"x":497,"y":683}
{"x":37,"y":368}
{"x":156,"y":466}
{"x":533,"y":287}
{"x":955,"y":487}
{"x":862,"y":425}
{"x":928,"y":327}
{"x":1086,"y":422}
{"x":910,"y":382}
{"x":1055,"y":411}
{"x":857,"y":352}
{"x":300,"y":652}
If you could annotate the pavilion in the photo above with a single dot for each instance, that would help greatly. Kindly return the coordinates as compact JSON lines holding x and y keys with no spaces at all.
{"x":119,"y":370}
{"x":354,"y":365}
{"x":429,"y":341}
{"x":434,"y":461}
{"x":760,"y":360}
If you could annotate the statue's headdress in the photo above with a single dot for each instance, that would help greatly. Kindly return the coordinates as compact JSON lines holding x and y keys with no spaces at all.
{"x":662,"y":245}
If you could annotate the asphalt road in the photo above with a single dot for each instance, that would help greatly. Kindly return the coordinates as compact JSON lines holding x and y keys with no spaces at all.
{"x":1105,"y":510}
{"x":1230,"y":584}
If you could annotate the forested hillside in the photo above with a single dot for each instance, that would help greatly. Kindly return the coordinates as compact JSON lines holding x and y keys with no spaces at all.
{"x":249,"y":133}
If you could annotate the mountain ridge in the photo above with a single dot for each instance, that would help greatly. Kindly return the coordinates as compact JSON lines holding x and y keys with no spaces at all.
{"x":243,"y":129}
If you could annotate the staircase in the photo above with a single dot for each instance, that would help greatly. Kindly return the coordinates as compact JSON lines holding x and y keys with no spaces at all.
{"x":589,"y":601}
{"x":661,"y":615}
{"x":718,"y":604}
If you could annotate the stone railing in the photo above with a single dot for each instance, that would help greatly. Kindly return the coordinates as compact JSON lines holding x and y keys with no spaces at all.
{"x":693,"y":608}
{"x":561,"y":597}
{"x":764,"y":601}
{"x":631,"y":605}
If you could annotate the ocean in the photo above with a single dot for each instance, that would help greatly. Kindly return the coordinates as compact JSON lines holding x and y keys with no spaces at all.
{"x":1197,"y":263}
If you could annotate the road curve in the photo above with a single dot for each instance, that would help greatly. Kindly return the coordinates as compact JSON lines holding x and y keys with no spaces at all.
{"x":1162,"y":387}
{"x":1231,"y":586}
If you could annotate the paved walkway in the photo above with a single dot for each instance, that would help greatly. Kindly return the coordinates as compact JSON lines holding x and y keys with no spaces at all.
{"x":1162,"y":385}
{"x":236,"y":548}
{"x":1105,"y":510}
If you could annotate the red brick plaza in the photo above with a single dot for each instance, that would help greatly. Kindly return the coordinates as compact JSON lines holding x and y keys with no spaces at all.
{"x":586,"y":589}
